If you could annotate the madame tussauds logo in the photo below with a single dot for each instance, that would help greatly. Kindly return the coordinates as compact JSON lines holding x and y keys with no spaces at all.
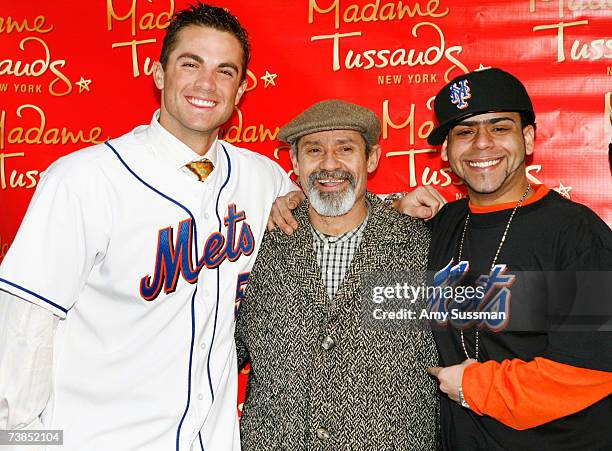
{"x":394,"y":57}
{"x":380,"y":58}
{"x":59,"y":86}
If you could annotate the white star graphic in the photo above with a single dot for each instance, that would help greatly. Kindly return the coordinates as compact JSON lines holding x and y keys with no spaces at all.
{"x":563,"y":190}
{"x":269,"y":79}
{"x":83,"y":85}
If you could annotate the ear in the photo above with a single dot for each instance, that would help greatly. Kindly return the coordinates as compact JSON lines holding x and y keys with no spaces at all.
{"x":158,"y":75}
{"x":529,"y":136}
{"x":373,"y":158}
{"x":241,"y":90}
{"x":444,"y":150}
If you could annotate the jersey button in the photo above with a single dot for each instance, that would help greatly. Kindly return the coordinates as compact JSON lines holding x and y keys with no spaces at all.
{"x":206,"y":216}
{"x":200,"y":396}
{"x":203,"y":346}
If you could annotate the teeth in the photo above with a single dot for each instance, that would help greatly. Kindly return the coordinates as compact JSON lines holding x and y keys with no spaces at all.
{"x":331,"y":181}
{"x":199,"y":102}
{"x":483,"y":164}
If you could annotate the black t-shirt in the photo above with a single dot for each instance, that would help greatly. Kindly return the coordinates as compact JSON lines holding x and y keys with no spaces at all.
{"x":550,"y":234}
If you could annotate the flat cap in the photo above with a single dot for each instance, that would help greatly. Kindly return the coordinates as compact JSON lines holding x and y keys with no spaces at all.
{"x":483,"y":91}
{"x":332,"y":115}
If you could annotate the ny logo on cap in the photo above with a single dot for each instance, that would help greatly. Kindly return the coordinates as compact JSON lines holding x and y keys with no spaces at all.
{"x":459,"y":93}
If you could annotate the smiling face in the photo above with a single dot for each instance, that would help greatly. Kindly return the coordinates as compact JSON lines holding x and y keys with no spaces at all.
{"x":487,"y":152}
{"x":333,"y":168}
{"x":200,"y":85}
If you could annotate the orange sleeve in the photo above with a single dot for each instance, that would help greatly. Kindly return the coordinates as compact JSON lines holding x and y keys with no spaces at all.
{"x":523,"y":395}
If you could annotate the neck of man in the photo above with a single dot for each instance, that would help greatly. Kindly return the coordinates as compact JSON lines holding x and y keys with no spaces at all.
{"x":506,"y":193}
{"x":337,"y":225}
{"x":199,"y":142}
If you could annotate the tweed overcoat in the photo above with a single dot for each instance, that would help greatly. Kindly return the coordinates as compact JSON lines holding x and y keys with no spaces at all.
{"x":370,"y":389}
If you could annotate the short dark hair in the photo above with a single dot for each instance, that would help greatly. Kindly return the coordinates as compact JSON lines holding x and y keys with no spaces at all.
{"x":206,"y":16}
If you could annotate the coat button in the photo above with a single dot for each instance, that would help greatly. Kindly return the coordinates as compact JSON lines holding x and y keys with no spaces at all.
{"x":328,"y":343}
{"x":323,"y":434}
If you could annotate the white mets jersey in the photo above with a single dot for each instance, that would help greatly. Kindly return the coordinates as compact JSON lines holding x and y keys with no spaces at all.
{"x":147,"y":267}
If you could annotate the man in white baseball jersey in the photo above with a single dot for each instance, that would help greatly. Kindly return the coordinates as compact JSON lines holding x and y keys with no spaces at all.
{"x":117,"y":297}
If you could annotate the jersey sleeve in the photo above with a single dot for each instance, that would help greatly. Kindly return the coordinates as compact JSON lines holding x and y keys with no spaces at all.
{"x":575,"y":370}
{"x":582,"y":299}
{"x":523,"y":395}
{"x":26,"y":357}
{"x":60,"y":238}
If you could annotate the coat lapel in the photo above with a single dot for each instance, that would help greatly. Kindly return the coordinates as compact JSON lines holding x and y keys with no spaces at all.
{"x":302,"y":261}
{"x":372,"y":254}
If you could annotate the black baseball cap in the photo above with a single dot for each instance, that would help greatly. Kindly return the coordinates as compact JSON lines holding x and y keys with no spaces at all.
{"x":482,"y":91}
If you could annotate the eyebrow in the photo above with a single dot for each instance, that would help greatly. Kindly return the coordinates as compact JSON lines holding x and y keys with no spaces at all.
{"x":495,"y":120}
{"x":200,"y":60}
{"x":231,"y":66}
{"x":191,"y":56}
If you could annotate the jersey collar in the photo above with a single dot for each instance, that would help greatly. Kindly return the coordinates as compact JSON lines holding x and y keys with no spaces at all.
{"x":539,"y":191}
{"x":173,"y":151}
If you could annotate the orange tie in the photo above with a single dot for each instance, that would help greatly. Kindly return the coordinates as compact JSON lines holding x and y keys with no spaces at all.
{"x":200,"y":168}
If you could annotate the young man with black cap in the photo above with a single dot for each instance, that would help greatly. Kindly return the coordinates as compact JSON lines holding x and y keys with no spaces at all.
{"x":528,"y":386}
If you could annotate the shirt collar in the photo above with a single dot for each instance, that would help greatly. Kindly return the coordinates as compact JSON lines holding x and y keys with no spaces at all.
{"x":172,"y":150}
{"x":328,"y":239}
{"x":539,"y":192}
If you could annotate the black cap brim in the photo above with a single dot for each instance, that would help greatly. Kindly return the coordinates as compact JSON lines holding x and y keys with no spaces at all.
{"x":479,"y":92}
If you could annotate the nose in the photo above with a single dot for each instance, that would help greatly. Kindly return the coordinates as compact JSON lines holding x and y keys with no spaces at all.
{"x":330,"y":162}
{"x":483,"y":139}
{"x":205,"y":80}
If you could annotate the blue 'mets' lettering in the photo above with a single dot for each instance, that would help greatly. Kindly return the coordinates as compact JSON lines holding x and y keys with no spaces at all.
{"x":218,"y":247}
{"x":174,"y":258}
{"x":171,"y":260}
{"x":449,"y":276}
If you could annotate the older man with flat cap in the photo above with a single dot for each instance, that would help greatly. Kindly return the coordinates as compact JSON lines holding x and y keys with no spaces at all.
{"x":540,"y":379}
{"x":321,"y":378}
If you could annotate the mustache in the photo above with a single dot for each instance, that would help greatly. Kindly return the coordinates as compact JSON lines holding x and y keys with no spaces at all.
{"x":337,"y":174}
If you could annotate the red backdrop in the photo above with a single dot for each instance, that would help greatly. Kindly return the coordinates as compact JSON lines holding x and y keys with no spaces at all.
{"x":75,"y":73}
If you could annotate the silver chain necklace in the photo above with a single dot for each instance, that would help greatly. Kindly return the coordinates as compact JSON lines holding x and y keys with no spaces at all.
{"x":501,"y":243}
